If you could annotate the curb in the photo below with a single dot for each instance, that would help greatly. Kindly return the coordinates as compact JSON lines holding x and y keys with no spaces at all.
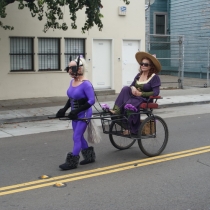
{"x":45,"y":117}
{"x":183,"y":104}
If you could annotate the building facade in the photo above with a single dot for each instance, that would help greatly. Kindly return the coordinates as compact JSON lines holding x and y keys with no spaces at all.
{"x":178,"y":32}
{"x":33,"y":62}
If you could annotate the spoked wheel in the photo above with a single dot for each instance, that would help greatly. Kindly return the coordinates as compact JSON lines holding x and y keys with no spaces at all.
{"x":153,"y":134}
{"x":117,"y":139}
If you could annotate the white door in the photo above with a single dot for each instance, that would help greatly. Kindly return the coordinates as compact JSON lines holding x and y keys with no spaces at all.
{"x":101,"y":64}
{"x":130,"y":66}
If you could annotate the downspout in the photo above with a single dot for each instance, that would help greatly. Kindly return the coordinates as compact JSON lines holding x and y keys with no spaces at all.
{"x":169,"y":16}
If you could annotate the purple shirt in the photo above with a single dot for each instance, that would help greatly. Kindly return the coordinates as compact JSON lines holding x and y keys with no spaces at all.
{"x":84,"y":90}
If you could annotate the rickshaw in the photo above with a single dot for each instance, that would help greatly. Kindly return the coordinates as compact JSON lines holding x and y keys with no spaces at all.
{"x":152,"y":134}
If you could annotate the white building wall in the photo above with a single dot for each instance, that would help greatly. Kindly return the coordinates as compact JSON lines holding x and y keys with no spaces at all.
{"x":14,"y":85}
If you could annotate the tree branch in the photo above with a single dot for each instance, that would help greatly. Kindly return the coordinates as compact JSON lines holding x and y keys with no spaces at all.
{"x":54,"y":13}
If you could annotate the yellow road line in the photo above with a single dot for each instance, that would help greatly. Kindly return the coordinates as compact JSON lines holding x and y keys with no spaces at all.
{"x":137,"y":164}
{"x":99,"y":169}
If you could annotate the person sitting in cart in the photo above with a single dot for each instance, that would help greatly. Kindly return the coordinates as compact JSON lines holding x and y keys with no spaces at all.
{"x":145,"y":84}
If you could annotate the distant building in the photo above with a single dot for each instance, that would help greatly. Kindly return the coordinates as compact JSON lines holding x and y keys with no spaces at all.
{"x":181,"y":30}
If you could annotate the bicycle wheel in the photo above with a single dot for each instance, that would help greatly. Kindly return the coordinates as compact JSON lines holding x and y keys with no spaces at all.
{"x":153,"y":134}
{"x":117,"y":139}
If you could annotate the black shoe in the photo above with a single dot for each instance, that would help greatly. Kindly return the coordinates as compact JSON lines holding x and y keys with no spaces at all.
{"x":88,"y":155}
{"x":71,"y":162}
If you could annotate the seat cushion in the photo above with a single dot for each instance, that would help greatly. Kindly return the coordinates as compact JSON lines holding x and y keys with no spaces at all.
{"x":149,"y":105}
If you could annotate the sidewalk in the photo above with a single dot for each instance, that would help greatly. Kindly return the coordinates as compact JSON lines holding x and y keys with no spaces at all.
{"x":27,"y":110}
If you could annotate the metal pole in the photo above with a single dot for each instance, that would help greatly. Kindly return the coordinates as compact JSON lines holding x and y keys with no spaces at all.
{"x":147,"y":30}
{"x":208,"y":68}
{"x":181,"y":64}
{"x":182,"y":61}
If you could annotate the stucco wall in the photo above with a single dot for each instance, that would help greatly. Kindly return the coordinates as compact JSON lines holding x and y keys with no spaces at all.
{"x":35,"y":84}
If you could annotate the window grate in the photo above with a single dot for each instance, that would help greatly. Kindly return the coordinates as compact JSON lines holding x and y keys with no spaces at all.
{"x":49,"y":54}
{"x":21,"y":54}
{"x":73,"y":48}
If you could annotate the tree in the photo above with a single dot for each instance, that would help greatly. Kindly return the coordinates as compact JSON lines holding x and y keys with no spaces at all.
{"x":54,"y":12}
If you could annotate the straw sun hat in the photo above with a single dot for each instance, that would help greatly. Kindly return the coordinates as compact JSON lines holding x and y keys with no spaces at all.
{"x":140,"y":55}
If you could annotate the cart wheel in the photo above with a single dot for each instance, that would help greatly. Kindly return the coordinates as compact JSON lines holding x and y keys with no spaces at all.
{"x":117,"y":139}
{"x":153,"y":134}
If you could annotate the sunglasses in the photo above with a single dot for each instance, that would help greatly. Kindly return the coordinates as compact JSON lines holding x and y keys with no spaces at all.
{"x":144,"y":64}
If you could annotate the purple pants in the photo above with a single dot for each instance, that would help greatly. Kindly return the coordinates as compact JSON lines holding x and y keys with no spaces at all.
{"x":79,"y":128}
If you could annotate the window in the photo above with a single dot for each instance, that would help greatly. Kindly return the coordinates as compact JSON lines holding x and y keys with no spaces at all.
{"x":21,"y":54}
{"x":160,"y":23}
{"x":49,"y":54}
{"x":73,"y":48}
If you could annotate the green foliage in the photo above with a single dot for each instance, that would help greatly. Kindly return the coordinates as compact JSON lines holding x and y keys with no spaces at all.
{"x":54,"y":12}
{"x":3,"y":14}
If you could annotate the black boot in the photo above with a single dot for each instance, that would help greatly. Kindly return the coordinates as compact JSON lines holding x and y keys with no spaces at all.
{"x":71,"y":162}
{"x":88,"y":155}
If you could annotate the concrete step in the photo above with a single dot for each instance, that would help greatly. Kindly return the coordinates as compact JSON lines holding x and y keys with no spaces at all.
{"x":103,"y":92}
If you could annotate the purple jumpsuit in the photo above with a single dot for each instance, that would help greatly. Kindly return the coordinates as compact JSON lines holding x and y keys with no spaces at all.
{"x":152,"y":87}
{"x":84,"y":90}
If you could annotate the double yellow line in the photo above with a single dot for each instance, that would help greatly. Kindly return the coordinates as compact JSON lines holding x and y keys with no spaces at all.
{"x":100,"y":171}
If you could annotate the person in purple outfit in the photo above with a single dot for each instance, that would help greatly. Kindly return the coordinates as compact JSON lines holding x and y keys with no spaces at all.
{"x":81,"y":97}
{"x":146,"y":83}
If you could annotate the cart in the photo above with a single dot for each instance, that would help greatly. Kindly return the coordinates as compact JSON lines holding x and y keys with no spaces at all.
{"x":152,"y":136}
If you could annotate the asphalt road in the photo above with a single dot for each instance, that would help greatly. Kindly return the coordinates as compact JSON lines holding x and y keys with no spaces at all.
{"x":178,"y":179}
